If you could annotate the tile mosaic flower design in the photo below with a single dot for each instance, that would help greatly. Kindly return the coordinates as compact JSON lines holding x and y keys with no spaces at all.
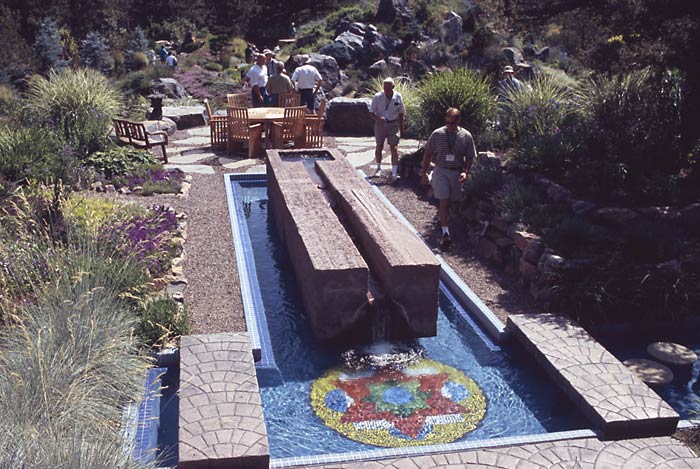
{"x":423,"y":404}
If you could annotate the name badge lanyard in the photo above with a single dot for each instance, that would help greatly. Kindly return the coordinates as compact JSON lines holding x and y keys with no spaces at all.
{"x":386,"y":108}
{"x":450,"y":144}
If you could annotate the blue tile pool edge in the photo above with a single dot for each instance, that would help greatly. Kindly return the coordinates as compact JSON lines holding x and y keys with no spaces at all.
{"x":253,"y":308}
{"x":408,"y":451}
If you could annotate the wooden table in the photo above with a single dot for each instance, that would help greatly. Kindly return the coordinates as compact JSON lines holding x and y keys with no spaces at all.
{"x":265,"y":114}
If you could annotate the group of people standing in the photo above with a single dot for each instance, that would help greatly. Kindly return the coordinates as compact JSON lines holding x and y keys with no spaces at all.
{"x":451,"y":149}
{"x":268,"y":79}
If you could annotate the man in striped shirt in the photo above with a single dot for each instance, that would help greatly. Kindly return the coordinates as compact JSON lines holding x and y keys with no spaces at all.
{"x":452,"y":150}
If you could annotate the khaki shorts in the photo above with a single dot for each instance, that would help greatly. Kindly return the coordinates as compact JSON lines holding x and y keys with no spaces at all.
{"x":446,"y":184}
{"x":388,"y":132}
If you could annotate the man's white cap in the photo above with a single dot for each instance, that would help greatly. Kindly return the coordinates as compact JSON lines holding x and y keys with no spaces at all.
{"x":389,"y":80}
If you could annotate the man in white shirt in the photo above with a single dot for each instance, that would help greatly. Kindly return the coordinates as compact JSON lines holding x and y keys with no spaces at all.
{"x":307,"y":80}
{"x":387,"y":110}
{"x":257,"y":76}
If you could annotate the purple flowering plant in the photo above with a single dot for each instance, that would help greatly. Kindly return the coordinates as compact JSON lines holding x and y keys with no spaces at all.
{"x":147,"y":238}
{"x":153,"y":180}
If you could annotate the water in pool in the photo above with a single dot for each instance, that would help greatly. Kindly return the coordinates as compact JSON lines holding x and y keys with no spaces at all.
{"x":463,"y":388}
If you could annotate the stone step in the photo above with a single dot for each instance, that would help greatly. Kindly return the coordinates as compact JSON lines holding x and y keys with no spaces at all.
{"x":609,"y":394}
{"x":221,"y":420}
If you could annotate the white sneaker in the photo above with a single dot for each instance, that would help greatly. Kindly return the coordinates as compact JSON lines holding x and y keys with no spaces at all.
{"x":376,"y":173}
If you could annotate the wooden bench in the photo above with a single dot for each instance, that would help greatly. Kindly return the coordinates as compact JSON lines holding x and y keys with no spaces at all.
{"x":135,"y":133}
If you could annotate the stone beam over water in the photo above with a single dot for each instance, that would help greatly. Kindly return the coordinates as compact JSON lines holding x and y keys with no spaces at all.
{"x":404,"y":265}
{"x":331,"y":273}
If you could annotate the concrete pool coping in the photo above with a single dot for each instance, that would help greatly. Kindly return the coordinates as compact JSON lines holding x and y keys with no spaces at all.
{"x":586,"y":436}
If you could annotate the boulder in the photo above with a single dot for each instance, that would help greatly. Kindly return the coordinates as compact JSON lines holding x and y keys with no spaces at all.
{"x":513,"y":55}
{"x":384,"y":69}
{"x":661,"y":213}
{"x":390,"y":10}
{"x":550,"y":263}
{"x":339,"y":51}
{"x":451,"y":28}
{"x":185,"y":117}
{"x":557,"y":192}
{"x":326,"y":65}
{"x":169,"y":87}
{"x":617,"y":216}
{"x":349,"y":116}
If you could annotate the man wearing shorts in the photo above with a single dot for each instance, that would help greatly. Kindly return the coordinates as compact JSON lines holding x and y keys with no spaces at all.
{"x":452,"y":150}
{"x":387,"y":111}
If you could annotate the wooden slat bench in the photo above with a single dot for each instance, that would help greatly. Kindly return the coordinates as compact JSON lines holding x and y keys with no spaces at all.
{"x":135,"y":133}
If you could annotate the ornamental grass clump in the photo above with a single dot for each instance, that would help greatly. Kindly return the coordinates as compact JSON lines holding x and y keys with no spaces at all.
{"x":78,"y":104}
{"x":69,"y":364}
{"x":464,"y":89}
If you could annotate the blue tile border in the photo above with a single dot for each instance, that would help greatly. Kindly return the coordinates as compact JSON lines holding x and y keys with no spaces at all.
{"x":485,"y":317}
{"x":384,"y":453}
{"x":145,"y":437}
{"x":253,"y":308}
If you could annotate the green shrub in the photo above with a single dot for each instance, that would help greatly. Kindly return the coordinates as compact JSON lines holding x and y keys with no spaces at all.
{"x":483,"y":179}
{"x":86,"y":216}
{"x":27,"y":154}
{"x":575,"y":237}
{"x":463,"y":89}
{"x":541,"y":108}
{"x":139,"y":60}
{"x":162,"y":322}
{"x":213,"y":67}
{"x":119,"y":161}
{"x":635,"y":125}
{"x":513,"y":198}
{"x":79,"y":104}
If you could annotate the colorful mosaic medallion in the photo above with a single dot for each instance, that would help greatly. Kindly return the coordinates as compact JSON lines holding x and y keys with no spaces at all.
{"x":423,"y":404}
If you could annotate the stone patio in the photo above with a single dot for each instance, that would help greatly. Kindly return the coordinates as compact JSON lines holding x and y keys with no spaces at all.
{"x":221,"y":422}
{"x":608,"y":393}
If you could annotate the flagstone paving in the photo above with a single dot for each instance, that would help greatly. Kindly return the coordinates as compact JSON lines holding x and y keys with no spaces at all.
{"x":221,"y":421}
{"x":609,"y":394}
{"x":192,"y":168}
{"x":360,"y":150}
{"x":587,"y":453}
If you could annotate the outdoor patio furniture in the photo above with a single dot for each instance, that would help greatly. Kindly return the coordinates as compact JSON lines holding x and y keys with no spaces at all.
{"x":290,"y":99}
{"x":135,"y":134}
{"x":322,"y":107}
{"x":291,"y":129}
{"x":218,"y":126}
{"x":313,"y":136}
{"x":241,"y":131}
{"x":238,"y":100}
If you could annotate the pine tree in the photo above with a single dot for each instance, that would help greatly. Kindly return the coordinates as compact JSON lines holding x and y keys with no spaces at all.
{"x":48,"y":47}
{"x":94,"y":53}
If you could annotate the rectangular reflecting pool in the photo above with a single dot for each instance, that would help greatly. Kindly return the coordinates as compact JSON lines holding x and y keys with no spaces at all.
{"x":459,"y":386}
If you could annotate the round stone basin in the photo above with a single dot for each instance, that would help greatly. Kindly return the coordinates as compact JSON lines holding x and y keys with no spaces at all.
{"x":649,"y":371}
{"x":672,"y":354}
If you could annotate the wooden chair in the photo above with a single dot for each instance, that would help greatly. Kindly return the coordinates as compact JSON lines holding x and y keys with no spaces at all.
{"x":291,"y":128}
{"x":240,"y":131}
{"x":322,"y":108}
{"x":238,"y":100}
{"x":218,"y":126}
{"x":290,"y":99}
{"x":136,"y":135}
{"x":313,"y":132}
